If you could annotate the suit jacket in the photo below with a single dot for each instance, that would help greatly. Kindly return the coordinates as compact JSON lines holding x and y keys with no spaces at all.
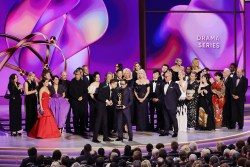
{"x":171,"y":98}
{"x":78,"y":89}
{"x":103,"y":84}
{"x":89,"y":80}
{"x":157,"y":92}
{"x":127,"y":97}
{"x":228,"y":84}
{"x":65,"y":84}
{"x":241,"y":89}
{"x":104,"y":94}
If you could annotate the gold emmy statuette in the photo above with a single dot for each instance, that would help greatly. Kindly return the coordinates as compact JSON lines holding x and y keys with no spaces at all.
{"x":119,"y":103}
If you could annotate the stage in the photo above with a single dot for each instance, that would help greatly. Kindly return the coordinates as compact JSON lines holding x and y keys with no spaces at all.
{"x":14,"y":149}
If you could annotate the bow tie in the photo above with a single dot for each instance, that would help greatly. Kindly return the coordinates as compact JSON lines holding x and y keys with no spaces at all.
{"x":167,"y":83}
{"x":238,"y":77}
{"x":154,"y":81}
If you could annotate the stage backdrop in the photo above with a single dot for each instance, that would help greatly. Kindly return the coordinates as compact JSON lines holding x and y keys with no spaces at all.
{"x":102,"y":33}
{"x":212,"y":31}
{"x":98,"y":33}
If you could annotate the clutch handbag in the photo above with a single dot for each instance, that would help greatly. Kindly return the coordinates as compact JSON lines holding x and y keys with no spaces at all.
{"x":202,"y":117}
{"x":7,"y":95}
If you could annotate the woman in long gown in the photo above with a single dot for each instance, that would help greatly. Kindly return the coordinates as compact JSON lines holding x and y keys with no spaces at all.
{"x":93,"y":91}
{"x":30,"y":101}
{"x":58,"y":104}
{"x":141,"y":91}
{"x":45,"y":126}
{"x":218,"y":99}
{"x":181,"y":114}
{"x":206,"y":113}
{"x":15,"y":104}
{"x":192,"y":100}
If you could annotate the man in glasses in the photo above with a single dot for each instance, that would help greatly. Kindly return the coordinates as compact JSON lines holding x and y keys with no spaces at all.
{"x":124,"y":101}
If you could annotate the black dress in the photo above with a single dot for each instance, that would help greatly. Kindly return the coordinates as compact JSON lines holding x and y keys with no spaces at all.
{"x":142,"y":119}
{"x":192,"y":105}
{"x":31,"y":107}
{"x":15,"y":105}
{"x":206,"y":104}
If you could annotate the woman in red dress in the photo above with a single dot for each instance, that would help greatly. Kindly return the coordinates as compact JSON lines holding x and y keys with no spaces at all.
{"x":45,"y":126}
{"x":218,"y":99}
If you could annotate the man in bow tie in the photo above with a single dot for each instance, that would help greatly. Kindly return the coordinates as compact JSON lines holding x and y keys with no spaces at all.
{"x":170,"y":93}
{"x":154,"y":103}
{"x":238,"y":90}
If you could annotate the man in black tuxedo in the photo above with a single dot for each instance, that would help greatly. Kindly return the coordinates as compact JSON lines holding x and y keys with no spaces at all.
{"x":104,"y":100}
{"x":78,"y":93}
{"x":233,"y":69}
{"x":88,"y":79}
{"x":239,"y":89}
{"x":154,"y":103}
{"x":65,"y":83}
{"x":170,"y":94}
{"x":227,"y":108}
{"x":126,"y":102}
{"x":111,"y":109}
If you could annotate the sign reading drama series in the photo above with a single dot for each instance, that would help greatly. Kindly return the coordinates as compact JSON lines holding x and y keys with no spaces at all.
{"x":212,"y":42}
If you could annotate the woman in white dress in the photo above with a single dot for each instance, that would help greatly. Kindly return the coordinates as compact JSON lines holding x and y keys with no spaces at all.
{"x":93,"y":91}
{"x":181,"y":107}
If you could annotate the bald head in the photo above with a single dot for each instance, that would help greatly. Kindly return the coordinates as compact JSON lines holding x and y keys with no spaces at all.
{"x":64,"y":75}
{"x":239,"y":72}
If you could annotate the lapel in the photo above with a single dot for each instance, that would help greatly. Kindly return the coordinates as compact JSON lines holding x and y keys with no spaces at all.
{"x":169,"y":86}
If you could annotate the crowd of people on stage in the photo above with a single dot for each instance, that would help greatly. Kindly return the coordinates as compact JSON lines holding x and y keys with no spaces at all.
{"x":181,"y":98}
{"x":189,"y":155}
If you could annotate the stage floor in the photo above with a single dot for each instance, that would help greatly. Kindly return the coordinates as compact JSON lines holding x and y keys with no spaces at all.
{"x":72,"y":142}
{"x":140,"y":139}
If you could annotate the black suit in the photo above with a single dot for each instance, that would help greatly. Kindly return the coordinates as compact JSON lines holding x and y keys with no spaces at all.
{"x":111,"y":111}
{"x":127,"y":101}
{"x":88,"y":79}
{"x":169,"y":100}
{"x":102,"y":115}
{"x":78,"y":89}
{"x":238,"y":105}
{"x":227,"y":108}
{"x":155,"y":105}
{"x":29,"y":160}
